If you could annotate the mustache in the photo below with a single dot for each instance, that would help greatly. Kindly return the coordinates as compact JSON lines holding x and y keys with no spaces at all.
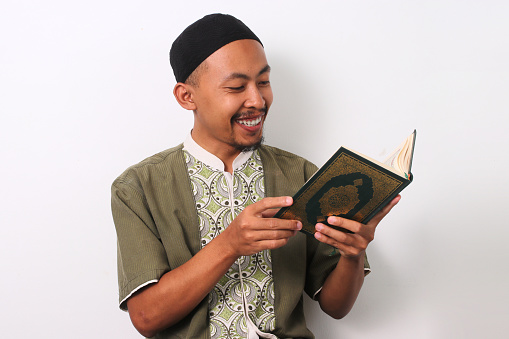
{"x":249,"y":113}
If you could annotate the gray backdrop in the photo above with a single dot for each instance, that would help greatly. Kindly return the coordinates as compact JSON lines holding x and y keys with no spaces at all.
{"x":85,"y":91}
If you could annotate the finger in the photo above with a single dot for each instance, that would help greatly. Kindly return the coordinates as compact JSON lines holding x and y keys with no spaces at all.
{"x":340,"y":245}
{"x":269,"y":203}
{"x":273,"y":235}
{"x":333,"y":237}
{"x":344,"y":250}
{"x":350,"y":225}
{"x":349,"y":245}
{"x":270,"y":213}
{"x":276,"y":224}
{"x":270,"y":244}
{"x":380,"y":215}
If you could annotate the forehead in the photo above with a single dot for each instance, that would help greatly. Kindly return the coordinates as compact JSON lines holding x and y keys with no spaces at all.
{"x":242,"y":57}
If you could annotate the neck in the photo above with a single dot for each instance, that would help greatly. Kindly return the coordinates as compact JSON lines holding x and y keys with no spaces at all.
{"x":226,"y":153}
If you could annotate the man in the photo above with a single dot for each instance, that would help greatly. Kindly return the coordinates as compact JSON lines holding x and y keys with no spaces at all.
{"x":199,"y":255}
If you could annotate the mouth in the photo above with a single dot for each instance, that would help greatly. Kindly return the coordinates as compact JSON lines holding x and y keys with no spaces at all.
{"x":250,"y":122}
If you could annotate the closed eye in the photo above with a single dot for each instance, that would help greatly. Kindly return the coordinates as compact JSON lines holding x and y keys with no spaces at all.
{"x":240,"y":88}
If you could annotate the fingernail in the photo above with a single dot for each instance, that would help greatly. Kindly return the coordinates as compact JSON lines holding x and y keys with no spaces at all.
{"x":319,"y":227}
{"x":299,"y":225}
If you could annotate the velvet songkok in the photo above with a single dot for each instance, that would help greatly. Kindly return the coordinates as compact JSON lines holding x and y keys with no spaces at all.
{"x":202,"y":38}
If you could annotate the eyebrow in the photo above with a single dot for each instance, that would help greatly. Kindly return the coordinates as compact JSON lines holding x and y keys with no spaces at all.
{"x":245,"y":76}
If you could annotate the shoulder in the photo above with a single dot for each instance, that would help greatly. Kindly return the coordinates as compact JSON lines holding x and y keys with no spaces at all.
{"x":159,"y":158}
{"x":283,"y":159}
{"x":280,"y":154}
{"x":160,"y":164}
{"x":285,"y":172}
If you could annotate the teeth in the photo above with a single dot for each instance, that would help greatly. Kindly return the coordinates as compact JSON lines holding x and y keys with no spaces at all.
{"x":250,"y":123}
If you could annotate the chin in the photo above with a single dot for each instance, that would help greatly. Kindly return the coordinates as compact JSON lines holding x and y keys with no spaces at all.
{"x":250,"y":147}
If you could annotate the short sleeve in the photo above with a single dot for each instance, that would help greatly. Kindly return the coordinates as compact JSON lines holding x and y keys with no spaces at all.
{"x":320,"y":264}
{"x":141,"y":257}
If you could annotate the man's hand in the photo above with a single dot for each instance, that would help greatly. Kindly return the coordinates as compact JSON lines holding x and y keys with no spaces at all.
{"x":165,"y":303}
{"x":352,"y":244}
{"x":254,"y":229}
{"x":344,"y":283}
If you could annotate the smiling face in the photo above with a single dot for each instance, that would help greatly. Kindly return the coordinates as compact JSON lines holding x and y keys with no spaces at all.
{"x":231,"y":99}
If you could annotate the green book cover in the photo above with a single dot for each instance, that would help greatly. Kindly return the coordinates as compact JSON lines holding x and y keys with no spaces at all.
{"x":352,"y":186}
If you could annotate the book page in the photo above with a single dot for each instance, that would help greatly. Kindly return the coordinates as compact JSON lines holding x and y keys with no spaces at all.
{"x":384,"y":165}
{"x":401,"y":158}
{"x":399,"y":161}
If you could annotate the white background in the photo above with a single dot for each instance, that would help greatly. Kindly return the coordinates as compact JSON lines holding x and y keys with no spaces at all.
{"x":85,"y":91}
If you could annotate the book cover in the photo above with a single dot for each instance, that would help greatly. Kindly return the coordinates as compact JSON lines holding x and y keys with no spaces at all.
{"x":350,"y":186}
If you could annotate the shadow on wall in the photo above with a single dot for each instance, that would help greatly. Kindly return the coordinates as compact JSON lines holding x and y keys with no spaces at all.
{"x":396,"y":288}
{"x":377,"y":305}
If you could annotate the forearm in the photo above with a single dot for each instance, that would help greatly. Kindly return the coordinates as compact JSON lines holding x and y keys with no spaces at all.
{"x":179,"y":291}
{"x":342,"y":286}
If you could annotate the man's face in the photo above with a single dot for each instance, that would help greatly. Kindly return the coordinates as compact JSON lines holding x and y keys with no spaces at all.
{"x":232,"y":98}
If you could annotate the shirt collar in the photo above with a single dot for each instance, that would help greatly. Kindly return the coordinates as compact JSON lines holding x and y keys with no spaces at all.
{"x":210,"y":159}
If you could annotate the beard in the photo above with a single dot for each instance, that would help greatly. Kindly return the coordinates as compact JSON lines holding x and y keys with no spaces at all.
{"x":249,"y":148}
{"x":256,"y":145}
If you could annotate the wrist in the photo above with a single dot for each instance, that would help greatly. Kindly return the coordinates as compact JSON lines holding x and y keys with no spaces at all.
{"x":353,"y":259}
{"x":228,"y":250}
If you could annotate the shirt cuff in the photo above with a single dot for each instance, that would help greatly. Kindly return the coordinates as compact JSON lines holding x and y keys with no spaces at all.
{"x":134,"y":291}
{"x":367,"y":271}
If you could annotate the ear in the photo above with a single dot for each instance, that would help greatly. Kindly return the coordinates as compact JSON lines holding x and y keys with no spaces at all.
{"x":184,"y":95}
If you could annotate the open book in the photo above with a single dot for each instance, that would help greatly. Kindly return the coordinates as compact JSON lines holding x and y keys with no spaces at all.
{"x":351,"y":185}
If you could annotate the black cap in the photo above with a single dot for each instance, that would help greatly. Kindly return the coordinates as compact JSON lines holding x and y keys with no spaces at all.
{"x":202,"y":38}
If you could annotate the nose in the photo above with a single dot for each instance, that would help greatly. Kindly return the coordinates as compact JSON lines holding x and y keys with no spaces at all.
{"x":254,"y":98}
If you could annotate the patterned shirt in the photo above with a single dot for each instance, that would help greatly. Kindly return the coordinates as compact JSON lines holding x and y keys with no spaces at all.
{"x":244,"y":297}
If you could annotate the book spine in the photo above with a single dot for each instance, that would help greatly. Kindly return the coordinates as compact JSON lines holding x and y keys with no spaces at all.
{"x":306,"y":232}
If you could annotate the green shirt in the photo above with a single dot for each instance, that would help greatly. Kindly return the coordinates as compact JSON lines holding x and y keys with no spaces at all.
{"x":158,"y":230}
